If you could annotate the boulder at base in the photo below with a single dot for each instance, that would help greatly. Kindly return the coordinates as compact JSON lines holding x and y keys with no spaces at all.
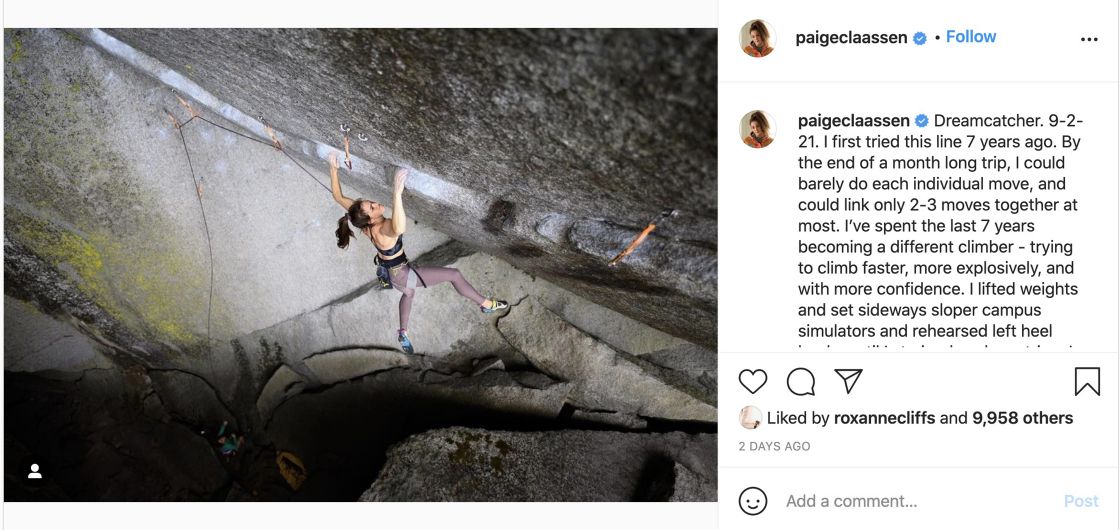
{"x":461,"y":464}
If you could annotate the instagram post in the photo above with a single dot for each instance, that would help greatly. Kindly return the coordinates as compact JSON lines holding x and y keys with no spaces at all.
{"x":661,"y":264}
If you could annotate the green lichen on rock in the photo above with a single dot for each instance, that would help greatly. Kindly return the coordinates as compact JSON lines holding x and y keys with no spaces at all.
{"x":64,"y":250}
{"x":15,"y":43}
{"x":143,"y":290}
{"x":165,"y":288}
{"x":463,"y":453}
{"x":81,"y":204}
{"x":488,"y":453}
{"x":55,"y":157}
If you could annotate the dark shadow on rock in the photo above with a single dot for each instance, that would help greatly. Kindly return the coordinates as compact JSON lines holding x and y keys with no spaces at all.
{"x":343,"y":431}
{"x":101,"y":439}
{"x":500,"y":216}
{"x":655,"y":484}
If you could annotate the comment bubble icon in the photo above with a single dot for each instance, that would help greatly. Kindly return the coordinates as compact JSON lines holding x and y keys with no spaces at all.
{"x":801,"y":382}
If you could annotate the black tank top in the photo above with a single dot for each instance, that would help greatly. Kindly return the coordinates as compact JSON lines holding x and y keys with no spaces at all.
{"x":390,"y":251}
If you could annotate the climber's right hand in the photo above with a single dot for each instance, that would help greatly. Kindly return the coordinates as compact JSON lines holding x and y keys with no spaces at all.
{"x":399,"y":178}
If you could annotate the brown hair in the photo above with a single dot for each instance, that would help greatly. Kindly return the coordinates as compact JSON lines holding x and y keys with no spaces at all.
{"x":357,"y":217}
{"x":761,"y":29}
{"x":762,"y":123}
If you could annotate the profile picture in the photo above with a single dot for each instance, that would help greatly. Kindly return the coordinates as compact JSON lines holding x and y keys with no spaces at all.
{"x":754,"y":38}
{"x":755,"y":129}
{"x":750,"y":417}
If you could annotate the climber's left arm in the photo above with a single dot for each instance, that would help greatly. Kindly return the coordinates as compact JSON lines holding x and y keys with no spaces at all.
{"x":400,"y":221}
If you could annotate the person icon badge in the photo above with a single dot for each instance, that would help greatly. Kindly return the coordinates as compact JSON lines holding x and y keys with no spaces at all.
{"x":34,"y":474}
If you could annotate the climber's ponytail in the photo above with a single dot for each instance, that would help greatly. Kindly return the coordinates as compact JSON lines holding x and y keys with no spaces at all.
{"x":357,"y":217}
{"x":344,"y":233}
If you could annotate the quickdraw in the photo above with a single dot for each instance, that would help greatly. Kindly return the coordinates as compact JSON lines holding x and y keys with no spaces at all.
{"x":665,"y":215}
{"x":346,"y":144}
{"x":198,"y":189}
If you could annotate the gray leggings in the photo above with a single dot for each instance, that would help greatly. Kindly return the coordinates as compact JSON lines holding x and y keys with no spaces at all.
{"x":404,"y":280}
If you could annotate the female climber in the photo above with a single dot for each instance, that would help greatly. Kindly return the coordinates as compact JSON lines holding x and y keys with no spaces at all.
{"x":385,"y":234}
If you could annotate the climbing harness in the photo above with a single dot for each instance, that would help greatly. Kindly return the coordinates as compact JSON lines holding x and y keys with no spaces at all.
{"x":383,"y":279}
{"x":661,"y":218}
{"x":387,"y":267}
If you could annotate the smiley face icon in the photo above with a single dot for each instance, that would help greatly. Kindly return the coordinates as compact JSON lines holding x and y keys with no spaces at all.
{"x":752,"y":501}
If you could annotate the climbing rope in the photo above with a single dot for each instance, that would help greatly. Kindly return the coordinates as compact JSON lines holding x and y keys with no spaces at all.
{"x":198,"y":188}
{"x":206,"y":225}
{"x":345,"y":129}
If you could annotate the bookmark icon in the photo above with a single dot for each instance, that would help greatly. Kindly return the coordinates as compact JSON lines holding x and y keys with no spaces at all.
{"x":1087,"y":377}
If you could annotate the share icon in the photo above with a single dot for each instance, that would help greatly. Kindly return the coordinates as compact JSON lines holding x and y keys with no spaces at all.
{"x":850,"y":376}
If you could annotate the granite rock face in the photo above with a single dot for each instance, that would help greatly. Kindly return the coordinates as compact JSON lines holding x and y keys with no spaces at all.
{"x":605,"y":378}
{"x":471,"y":465}
{"x":550,"y":149}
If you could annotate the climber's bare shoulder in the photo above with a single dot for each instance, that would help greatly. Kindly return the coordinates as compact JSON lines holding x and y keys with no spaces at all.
{"x":381,"y":239}
{"x":386,"y":231}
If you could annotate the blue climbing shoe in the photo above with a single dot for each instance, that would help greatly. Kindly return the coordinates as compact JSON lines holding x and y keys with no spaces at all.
{"x":406,"y":344}
{"x":495,"y":306}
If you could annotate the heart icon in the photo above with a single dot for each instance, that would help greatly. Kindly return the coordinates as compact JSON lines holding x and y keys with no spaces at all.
{"x":752,"y":380}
